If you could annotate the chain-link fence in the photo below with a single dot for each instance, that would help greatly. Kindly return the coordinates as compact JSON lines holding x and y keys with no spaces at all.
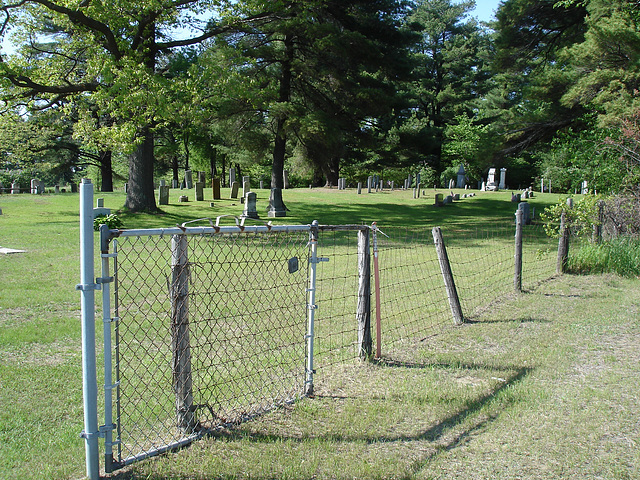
{"x":213,"y":326}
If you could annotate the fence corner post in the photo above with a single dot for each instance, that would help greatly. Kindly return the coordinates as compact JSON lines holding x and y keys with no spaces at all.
{"x":563,"y":246}
{"x":363,"y":312}
{"x":517,"y":275}
{"x":447,"y":274}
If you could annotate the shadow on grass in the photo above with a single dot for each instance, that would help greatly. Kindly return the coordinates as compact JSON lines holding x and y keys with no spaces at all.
{"x":443,"y":435}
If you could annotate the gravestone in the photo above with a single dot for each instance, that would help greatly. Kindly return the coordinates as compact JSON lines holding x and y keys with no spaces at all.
{"x":438,"y":200}
{"x":276,"y":205}
{"x":452,"y":184}
{"x":232,"y":176}
{"x":448,"y":199}
{"x":261,"y":184}
{"x":369,"y":180}
{"x":570,"y":202}
{"x":41,"y":188}
{"x":246,"y":186}
{"x":456,"y":196}
{"x":234,"y":190}
{"x":215,"y":186}
{"x":163,"y":195}
{"x":250,"y":210}
{"x":202,"y":177}
{"x":183,"y":199}
{"x":483,"y":187}
{"x":359,"y":188}
{"x":188,"y":179}
{"x":418,"y":178}
{"x":175,"y":183}
{"x":392,"y":185}
{"x":503,"y":179}
{"x":492,"y":184}
{"x":34,"y":186}
{"x":56,"y":189}
{"x":199,"y":191}
{"x":163,"y":183}
{"x":461,"y":182}
{"x":584,"y":187}
{"x":74,"y":187}
{"x":526,"y":212}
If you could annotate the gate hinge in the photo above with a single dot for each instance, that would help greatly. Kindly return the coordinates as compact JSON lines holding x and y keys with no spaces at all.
{"x":105,"y":280}
{"x":319,"y":259}
{"x":85,"y":287}
{"x":102,"y":429}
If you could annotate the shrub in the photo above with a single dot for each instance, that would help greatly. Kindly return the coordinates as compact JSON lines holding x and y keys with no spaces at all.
{"x":112,"y":221}
{"x":620,"y":256}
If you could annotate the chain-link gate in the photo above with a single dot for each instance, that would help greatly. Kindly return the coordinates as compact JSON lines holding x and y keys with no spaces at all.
{"x":210,"y":328}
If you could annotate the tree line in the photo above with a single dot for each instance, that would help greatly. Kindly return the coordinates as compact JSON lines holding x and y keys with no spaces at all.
{"x":138,"y":89}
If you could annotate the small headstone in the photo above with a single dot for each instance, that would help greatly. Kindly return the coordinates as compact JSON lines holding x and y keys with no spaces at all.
{"x":15,"y":188}
{"x":56,"y":189}
{"x":246,"y":186}
{"x":163,"y":183}
{"x":215,"y":186}
{"x":202,"y":177}
{"x":100,"y":202}
{"x":456,"y":196}
{"x":369,"y":181}
{"x":234,"y":190}
{"x":199,"y":191}
{"x":183,"y":199}
{"x":438,"y":200}
{"x":34,"y":186}
{"x":250,"y":210}
{"x":448,"y":199}
{"x":163,"y":196}
{"x":188,"y":179}
{"x":359,"y":188}
{"x":211,"y":204}
{"x":74,"y":187}
{"x":584,"y":187}
{"x":452,"y":184}
{"x":261,"y":184}
{"x":570,"y":202}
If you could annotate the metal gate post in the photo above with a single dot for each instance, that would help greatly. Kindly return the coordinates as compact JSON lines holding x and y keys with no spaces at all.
{"x":87,"y":288}
{"x":311,"y":305}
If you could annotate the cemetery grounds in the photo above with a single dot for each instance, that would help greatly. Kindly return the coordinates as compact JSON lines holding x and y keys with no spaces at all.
{"x":540,"y":384}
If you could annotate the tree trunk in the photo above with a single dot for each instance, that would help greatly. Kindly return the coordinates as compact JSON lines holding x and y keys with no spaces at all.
{"x":284,"y":96}
{"x":106,"y":171}
{"x":213,"y":171}
{"x":140,"y":195}
{"x":331,"y":171}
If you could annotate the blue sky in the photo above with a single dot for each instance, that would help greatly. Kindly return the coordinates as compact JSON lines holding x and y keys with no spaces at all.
{"x":485,"y":9}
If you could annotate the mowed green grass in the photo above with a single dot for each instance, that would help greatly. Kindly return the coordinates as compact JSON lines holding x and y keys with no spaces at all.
{"x":40,"y":367}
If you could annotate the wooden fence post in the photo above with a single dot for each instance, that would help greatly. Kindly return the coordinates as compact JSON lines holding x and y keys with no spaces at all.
{"x":563,"y":245}
{"x":445,"y":267}
{"x":363,"y":313}
{"x":517,"y":275}
{"x":180,"y":343}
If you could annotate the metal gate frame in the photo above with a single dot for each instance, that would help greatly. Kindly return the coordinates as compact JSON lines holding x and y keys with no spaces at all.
{"x":92,"y":432}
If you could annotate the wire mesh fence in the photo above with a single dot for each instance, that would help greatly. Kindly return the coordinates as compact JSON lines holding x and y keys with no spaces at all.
{"x":212,"y":328}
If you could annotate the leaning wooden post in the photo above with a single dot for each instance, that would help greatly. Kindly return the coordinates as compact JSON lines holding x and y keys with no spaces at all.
{"x":517,"y":275}
{"x":445,"y":267}
{"x":563,"y":246}
{"x":597,"y":227}
{"x":363,"y":312}
{"x":180,"y":347}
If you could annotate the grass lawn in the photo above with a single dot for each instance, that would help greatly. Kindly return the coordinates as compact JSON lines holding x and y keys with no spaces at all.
{"x":542,"y":385}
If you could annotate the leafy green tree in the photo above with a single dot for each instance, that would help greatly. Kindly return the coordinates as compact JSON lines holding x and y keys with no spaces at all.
{"x":115,"y":51}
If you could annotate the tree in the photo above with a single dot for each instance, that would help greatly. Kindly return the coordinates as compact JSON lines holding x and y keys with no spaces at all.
{"x":318,"y":71}
{"x":450,"y":73}
{"x":114,"y":51}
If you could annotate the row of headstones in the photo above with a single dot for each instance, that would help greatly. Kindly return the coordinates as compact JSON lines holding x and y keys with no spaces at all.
{"x":441,"y":200}
{"x":37,"y":188}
